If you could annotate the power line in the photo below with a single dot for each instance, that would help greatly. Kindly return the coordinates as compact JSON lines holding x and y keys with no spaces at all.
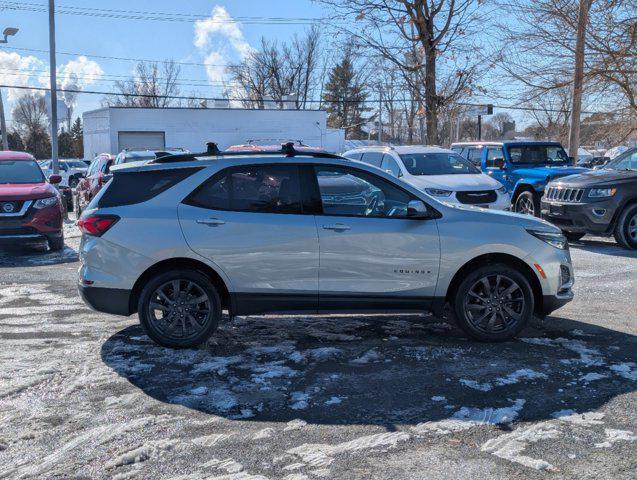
{"x":158,"y":16}
{"x":193,"y":97}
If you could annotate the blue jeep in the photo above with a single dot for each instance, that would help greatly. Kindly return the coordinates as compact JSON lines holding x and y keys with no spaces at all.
{"x":523,"y":166}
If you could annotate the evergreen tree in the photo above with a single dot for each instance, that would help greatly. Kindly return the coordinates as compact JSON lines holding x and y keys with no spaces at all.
{"x":15,"y":142}
{"x":77,"y":132}
{"x":344,"y":95}
{"x":66,"y":145}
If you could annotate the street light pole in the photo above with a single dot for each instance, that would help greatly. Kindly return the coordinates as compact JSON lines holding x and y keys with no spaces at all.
{"x":9,"y":31}
{"x":54,"y":98}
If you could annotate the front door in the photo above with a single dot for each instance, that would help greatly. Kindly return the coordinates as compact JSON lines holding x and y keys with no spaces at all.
{"x":372,"y":256}
{"x":249,"y":221}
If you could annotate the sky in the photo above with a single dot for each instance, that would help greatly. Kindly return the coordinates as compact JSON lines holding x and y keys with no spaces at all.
{"x":200,"y":32}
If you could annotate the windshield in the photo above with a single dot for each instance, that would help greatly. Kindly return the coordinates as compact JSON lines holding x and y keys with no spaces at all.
{"x":537,"y":154}
{"x":20,"y":171}
{"x":437,"y":164}
{"x":626,"y":161}
{"x":75,"y":164}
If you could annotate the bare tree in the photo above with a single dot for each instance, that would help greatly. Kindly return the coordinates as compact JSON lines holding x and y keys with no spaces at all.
{"x":151,"y":86}
{"x":539,"y":46}
{"x":274,"y":71}
{"x":429,"y":38}
{"x":30,"y":118}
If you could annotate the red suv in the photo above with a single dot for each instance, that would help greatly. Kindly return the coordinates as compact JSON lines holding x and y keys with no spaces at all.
{"x":30,"y":207}
{"x":97,"y":175}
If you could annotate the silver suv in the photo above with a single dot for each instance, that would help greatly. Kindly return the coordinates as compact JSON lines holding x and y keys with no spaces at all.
{"x":182,"y":238}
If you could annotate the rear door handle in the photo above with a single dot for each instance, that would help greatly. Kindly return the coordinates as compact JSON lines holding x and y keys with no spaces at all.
{"x":211,"y":222}
{"x":337,"y":227}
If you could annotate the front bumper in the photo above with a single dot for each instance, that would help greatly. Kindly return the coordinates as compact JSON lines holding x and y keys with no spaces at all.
{"x":550,"y":303}
{"x":108,"y":300}
{"x":590,"y":217}
{"x":503,"y":202}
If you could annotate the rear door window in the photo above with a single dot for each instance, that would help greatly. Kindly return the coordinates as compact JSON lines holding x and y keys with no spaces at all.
{"x":251,"y":188}
{"x":389,"y":165}
{"x":373,"y":158}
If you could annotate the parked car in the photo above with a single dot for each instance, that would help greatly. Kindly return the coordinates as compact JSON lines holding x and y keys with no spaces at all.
{"x":594,"y":162}
{"x":30,"y":207}
{"x":180,"y":239}
{"x":97,"y":175}
{"x":523,"y":166}
{"x":438,"y":172}
{"x":128,"y":156}
{"x":71,"y":170}
{"x":599,"y":202}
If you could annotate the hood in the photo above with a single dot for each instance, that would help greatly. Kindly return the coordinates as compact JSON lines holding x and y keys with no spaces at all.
{"x":548,"y":173}
{"x":26,"y":191}
{"x":455,"y":182}
{"x":595,"y":177}
{"x":507,"y":217}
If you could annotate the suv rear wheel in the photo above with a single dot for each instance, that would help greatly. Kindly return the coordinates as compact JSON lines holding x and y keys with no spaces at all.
{"x":527,"y":202}
{"x":179,"y":309}
{"x":626,"y":227}
{"x":493,"y":303}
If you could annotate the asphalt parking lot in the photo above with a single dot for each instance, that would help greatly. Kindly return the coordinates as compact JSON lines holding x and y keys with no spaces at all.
{"x":87,"y":395}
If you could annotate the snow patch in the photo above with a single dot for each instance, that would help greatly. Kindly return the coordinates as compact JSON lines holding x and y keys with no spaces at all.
{"x":591,"y":377}
{"x":322,"y":455}
{"x":584,"y":419}
{"x":511,"y":446}
{"x":587,"y":356}
{"x":141,"y":454}
{"x":333,"y":401}
{"x":467,"y":417}
{"x":263,"y":433}
{"x":228,"y":465}
{"x":438,"y":398}
{"x":369,"y":356}
{"x":625,"y":370}
{"x":299,"y":400}
{"x":613,"y":436}
{"x":295,"y":424}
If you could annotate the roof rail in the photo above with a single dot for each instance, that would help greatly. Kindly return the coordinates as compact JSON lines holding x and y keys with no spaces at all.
{"x":287,"y":149}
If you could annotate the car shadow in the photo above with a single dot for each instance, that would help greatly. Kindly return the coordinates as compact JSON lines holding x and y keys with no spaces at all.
{"x":35,"y":256}
{"x":603,"y":247}
{"x":391,"y":370}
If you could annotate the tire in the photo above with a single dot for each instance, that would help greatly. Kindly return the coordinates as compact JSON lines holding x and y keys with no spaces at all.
{"x":56,"y":244}
{"x":527,"y":202}
{"x":485,"y":320}
{"x":188,"y":329}
{"x":626,"y":228}
{"x":573,"y":236}
{"x":78,"y":207}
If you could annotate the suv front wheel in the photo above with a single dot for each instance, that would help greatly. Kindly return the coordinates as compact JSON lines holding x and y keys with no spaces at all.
{"x":528,"y":203}
{"x":493,"y":303}
{"x":626,"y":228}
{"x":179,"y":309}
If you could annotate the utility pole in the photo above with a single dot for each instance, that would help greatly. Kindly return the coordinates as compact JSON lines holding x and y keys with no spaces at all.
{"x":578,"y":78}
{"x":479,"y":128}
{"x":9,"y":31}
{"x":380,"y":115}
{"x":54,"y":97}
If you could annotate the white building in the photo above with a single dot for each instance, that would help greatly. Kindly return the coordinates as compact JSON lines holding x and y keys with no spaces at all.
{"x":112,"y":129}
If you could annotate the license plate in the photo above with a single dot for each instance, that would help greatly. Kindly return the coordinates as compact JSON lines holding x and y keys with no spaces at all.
{"x":556,"y":209}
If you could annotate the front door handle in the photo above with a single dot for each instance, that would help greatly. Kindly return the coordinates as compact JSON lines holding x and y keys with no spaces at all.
{"x":337,"y":227}
{"x":211,"y":222}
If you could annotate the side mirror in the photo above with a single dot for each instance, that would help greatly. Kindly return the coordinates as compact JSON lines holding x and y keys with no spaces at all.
{"x":55,"y":179}
{"x":497,"y":162}
{"x":417,"y":209}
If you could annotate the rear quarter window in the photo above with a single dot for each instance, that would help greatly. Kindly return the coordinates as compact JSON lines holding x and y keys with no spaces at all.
{"x":128,"y":188}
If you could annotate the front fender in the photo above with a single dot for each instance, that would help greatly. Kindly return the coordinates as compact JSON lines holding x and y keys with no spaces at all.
{"x":534,"y":184}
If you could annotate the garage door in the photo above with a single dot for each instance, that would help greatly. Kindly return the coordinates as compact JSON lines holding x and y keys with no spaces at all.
{"x":141,"y":140}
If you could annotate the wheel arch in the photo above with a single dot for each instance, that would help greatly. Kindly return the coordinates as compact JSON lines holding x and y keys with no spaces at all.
{"x":618,"y":213}
{"x":180,"y":263}
{"x":522,"y":186}
{"x":493,"y":258}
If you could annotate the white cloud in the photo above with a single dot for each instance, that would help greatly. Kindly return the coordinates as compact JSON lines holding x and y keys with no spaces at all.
{"x":221,"y":41}
{"x":18,"y":70}
{"x":77,"y":74}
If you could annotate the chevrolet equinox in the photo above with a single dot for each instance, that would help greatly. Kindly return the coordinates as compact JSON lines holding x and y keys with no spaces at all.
{"x":186,"y":236}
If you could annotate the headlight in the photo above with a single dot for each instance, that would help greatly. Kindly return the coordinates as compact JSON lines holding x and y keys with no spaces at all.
{"x":602,"y":192}
{"x":45,"y":202}
{"x":502,"y":190}
{"x":557,"y":240}
{"x":437,"y":192}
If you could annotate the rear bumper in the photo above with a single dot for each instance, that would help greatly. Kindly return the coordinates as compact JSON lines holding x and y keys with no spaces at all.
{"x":592,"y":217}
{"x":108,"y":300}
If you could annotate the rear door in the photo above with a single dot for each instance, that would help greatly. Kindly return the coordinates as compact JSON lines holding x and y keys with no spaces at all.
{"x":372,"y":255}
{"x":250,"y":221}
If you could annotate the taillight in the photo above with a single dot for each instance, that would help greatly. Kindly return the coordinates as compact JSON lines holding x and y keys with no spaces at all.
{"x":97,"y":225}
